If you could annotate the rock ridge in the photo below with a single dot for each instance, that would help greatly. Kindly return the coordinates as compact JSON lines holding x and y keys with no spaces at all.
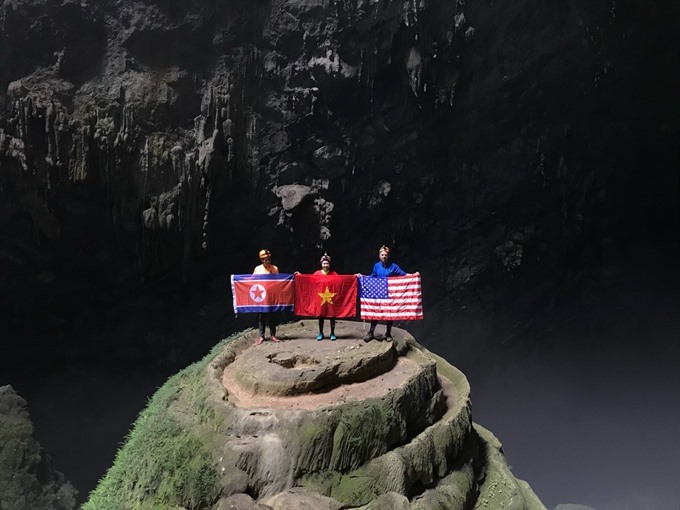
{"x":316,"y":424}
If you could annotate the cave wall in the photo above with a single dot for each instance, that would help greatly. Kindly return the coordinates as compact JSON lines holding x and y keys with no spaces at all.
{"x":494,"y":145}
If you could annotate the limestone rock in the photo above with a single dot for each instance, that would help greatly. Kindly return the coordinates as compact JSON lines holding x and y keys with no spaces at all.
{"x":27,"y":478}
{"x":239,"y":502}
{"x":301,"y":500}
{"x":314,"y":425}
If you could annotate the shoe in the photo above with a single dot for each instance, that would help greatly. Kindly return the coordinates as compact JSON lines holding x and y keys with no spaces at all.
{"x":259,"y":341}
{"x":333,"y":337}
{"x":274,"y":339}
{"x":319,"y":337}
{"x":388,"y":337}
{"x":369,"y":336}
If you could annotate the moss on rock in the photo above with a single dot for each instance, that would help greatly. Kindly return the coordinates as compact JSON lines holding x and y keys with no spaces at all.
{"x":409,"y":445}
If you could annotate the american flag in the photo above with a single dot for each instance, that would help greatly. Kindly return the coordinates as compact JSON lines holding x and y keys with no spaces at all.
{"x":396,"y":298}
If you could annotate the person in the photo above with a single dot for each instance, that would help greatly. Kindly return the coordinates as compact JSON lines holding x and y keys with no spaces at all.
{"x":325,"y":270}
{"x":384,"y":268}
{"x":266,"y":317}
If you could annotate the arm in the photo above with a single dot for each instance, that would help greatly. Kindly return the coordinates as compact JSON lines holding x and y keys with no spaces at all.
{"x":397,"y":271}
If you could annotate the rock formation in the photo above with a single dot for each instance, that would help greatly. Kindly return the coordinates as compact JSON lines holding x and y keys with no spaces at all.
{"x":28,"y":481}
{"x":315,"y":425}
{"x":139,"y":138}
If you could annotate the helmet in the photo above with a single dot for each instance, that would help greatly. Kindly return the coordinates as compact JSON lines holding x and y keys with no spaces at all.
{"x":265,"y":253}
{"x":385,"y":249}
{"x":327,"y":257}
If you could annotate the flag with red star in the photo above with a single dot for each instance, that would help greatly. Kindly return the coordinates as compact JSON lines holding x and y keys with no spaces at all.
{"x":325,"y":295}
{"x":256,"y":293}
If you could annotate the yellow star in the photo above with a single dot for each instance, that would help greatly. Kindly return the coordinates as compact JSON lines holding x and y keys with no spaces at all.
{"x":327,"y":296}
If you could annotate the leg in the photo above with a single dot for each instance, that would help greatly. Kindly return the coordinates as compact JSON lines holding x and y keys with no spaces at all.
{"x":260,"y":328}
{"x":388,"y":331}
{"x":272,"y":327}
{"x":371,"y":332}
{"x":333,"y":329}
{"x":320,"y":335}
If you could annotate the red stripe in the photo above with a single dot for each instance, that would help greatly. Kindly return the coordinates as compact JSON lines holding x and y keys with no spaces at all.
{"x":278,"y":292}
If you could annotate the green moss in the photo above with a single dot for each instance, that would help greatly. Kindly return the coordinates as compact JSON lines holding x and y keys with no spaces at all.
{"x":166,"y":461}
{"x":322,"y":482}
{"x":454,"y":491}
{"x":500,"y":488}
{"x":357,"y":489}
{"x":363,"y":433}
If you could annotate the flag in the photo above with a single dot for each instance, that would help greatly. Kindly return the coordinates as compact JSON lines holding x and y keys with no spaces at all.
{"x":395,"y":298}
{"x":262,"y":292}
{"x":325,"y":295}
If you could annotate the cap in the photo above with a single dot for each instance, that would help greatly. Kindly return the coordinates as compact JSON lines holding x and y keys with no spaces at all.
{"x":265,"y":253}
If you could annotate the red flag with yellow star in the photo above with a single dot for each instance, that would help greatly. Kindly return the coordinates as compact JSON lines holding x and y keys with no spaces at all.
{"x":325,"y":295}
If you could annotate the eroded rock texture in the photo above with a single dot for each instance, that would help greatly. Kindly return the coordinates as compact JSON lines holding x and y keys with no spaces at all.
{"x":27,"y":478}
{"x":316,"y":425}
{"x":140,"y":139}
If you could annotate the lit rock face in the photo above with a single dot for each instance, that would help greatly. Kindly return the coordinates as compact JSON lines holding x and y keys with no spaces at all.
{"x":368,"y":425}
{"x":330,"y":425}
{"x":27,"y":478}
{"x":148,"y":117}
{"x":482,"y":139}
{"x":160,"y":109}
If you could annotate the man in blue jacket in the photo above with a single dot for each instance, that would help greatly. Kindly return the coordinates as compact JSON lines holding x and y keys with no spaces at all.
{"x":384,"y":268}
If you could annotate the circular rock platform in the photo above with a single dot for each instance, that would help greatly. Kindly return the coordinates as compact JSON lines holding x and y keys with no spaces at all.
{"x":300,"y":372}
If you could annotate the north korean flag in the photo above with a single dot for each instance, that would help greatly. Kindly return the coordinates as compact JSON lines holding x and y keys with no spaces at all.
{"x":325,"y":295}
{"x":256,"y":293}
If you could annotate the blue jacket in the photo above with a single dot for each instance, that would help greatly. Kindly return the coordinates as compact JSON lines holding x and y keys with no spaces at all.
{"x":391,"y":270}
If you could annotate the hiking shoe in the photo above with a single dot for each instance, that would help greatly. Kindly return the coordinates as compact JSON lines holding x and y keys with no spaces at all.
{"x":388,"y":337}
{"x":259,"y":341}
{"x":274,"y":339}
{"x":369,"y":336}
{"x":333,"y":337}
{"x":319,"y":337}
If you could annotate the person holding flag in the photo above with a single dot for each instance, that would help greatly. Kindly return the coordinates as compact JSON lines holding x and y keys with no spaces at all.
{"x":383,"y":268}
{"x":325,"y":271}
{"x":266,"y":317}
{"x":325,"y":295}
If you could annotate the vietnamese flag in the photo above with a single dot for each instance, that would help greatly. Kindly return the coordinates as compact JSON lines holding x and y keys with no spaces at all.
{"x":325,"y":295}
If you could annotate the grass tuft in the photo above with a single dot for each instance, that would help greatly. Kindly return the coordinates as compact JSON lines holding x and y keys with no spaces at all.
{"x":167,"y":461}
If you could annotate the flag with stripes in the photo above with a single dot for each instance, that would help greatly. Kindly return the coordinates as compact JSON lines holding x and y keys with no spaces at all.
{"x":395,"y":298}
{"x":255,"y":293}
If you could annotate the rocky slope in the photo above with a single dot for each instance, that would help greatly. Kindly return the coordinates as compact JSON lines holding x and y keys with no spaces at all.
{"x":315,"y":425}
{"x":498,"y":146}
{"x":27,"y":478}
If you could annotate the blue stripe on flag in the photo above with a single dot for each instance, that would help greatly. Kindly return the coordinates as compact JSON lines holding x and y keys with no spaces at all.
{"x":255,"y":277}
{"x":264,"y":309}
